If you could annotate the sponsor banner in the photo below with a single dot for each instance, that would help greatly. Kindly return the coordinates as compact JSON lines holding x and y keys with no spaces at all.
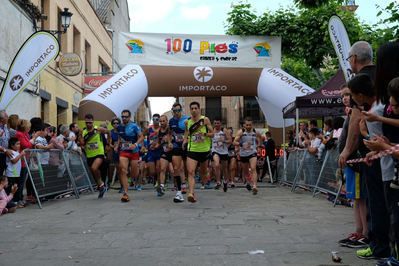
{"x":34,"y":55}
{"x":280,"y":88}
{"x":340,"y":40}
{"x":70,"y":64}
{"x":201,"y":81}
{"x":197,"y":50}
{"x":125,"y":90}
{"x":91,"y":83}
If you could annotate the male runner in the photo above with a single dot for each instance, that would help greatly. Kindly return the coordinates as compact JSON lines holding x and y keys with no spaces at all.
{"x":177,"y":126}
{"x":93,"y":145}
{"x":154,"y":151}
{"x":248,"y":140}
{"x":166,"y":146}
{"x":198,"y":135}
{"x":130,"y":136}
{"x":220,"y":154}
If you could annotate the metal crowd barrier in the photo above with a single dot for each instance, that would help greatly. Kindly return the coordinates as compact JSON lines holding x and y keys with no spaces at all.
{"x":308,"y":172}
{"x":330,"y":178}
{"x":56,"y":172}
{"x":292,"y":165}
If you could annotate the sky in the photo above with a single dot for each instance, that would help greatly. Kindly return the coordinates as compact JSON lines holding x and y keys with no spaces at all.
{"x":207,"y":17}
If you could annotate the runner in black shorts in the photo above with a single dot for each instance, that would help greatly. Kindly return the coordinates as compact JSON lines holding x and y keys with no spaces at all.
{"x":220,"y":154}
{"x":165,"y":142}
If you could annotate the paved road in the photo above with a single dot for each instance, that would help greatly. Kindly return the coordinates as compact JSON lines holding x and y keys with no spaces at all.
{"x":220,"y":229}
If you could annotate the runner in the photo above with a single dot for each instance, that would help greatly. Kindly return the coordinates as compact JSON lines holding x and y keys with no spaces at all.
{"x":130,"y":136}
{"x":247,"y":139}
{"x":198,"y":135}
{"x":94,"y":150}
{"x":232,"y":160}
{"x":154,"y":149}
{"x":177,"y":125}
{"x":166,"y":146}
{"x":220,"y":154}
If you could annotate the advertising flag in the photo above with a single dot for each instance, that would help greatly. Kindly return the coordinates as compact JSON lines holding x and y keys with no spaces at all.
{"x":34,"y":55}
{"x":340,"y":40}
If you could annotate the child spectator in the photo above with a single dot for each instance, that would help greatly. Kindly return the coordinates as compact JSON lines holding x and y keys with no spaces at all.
{"x":13,"y":170}
{"x":6,"y":204}
{"x":41,"y":143}
{"x":314,"y":141}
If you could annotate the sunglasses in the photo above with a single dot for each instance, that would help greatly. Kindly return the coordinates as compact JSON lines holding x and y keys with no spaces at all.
{"x":125,"y":116}
{"x":176,"y":110}
{"x":115,"y":123}
{"x":349,"y":58}
{"x":155,"y":119}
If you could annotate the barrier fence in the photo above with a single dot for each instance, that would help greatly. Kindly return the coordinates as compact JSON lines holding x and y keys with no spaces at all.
{"x":292,"y":165}
{"x":56,"y":172}
{"x":308,"y":172}
{"x":330,"y":179}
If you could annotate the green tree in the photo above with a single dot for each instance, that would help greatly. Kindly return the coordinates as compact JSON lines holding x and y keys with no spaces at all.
{"x":392,"y":19}
{"x":305,"y":39}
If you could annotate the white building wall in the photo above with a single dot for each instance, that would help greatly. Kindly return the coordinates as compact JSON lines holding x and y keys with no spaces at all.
{"x":15,"y":28}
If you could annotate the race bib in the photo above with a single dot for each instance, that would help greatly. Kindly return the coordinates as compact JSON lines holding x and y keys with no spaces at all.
{"x":247,"y":146}
{"x":126,"y":145}
{"x":93,"y":146}
{"x":179,"y":137}
{"x":198,"y":137}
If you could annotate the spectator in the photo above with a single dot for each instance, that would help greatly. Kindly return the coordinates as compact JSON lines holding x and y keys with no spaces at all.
{"x":73,"y":136}
{"x":314,"y":141}
{"x":6,"y":203}
{"x":12,"y":124}
{"x":26,"y":142}
{"x":13,"y":171}
{"x":270,"y":147}
{"x":4,"y":138}
{"x":338,"y":123}
{"x":41,"y":143}
{"x":326,"y":138}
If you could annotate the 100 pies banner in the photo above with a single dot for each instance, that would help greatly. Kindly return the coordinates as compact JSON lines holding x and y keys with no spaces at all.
{"x":197,"y":50}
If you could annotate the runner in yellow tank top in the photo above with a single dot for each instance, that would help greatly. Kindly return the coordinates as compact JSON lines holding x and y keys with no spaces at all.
{"x":198,"y":136}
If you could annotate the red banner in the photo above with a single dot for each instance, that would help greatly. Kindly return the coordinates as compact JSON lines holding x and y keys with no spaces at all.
{"x":93,"y":82}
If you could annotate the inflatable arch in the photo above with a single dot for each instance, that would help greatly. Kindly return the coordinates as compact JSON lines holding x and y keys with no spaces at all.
{"x":190,"y":76}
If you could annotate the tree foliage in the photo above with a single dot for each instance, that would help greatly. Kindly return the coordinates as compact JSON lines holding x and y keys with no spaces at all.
{"x":305,"y":39}
{"x":392,"y":19}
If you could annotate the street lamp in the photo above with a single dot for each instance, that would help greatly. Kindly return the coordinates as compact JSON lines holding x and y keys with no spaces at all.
{"x":65,"y":19}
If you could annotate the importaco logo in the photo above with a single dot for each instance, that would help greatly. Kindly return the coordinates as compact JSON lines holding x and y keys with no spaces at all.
{"x":202,"y":74}
{"x":135,"y":46}
{"x":16,"y":82}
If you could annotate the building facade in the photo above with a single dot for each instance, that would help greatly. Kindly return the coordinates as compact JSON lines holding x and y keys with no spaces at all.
{"x":17,"y":24}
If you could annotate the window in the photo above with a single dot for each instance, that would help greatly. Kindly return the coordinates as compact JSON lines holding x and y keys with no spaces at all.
{"x":44,"y":110}
{"x":213,"y":108}
{"x":63,"y":37}
{"x":76,"y":41}
{"x":87,"y":57}
{"x":104,"y":68}
{"x":252,"y":109}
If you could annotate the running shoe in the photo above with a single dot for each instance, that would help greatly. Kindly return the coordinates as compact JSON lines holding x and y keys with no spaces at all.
{"x":202,"y":186}
{"x":248,"y":186}
{"x":254,"y":191}
{"x":125,"y":198}
{"x":101,"y":191}
{"x":391,"y":261}
{"x":351,"y":237}
{"x":183,"y":188}
{"x":191,"y":198}
{"x":178,"y":198}
{"x":139,"y":188}
{"x":367,"y":254}
{"x":218,"y":185}
{"x":225,"y":186}
{"x":160,"y":191}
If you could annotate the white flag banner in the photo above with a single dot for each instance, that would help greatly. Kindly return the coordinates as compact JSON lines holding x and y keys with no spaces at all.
{"x":125,"y":90}
{"x":340,"y":40}
{"x":197,"y":50}
{"x":34,"y":55}
{"x":276,"y":89}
